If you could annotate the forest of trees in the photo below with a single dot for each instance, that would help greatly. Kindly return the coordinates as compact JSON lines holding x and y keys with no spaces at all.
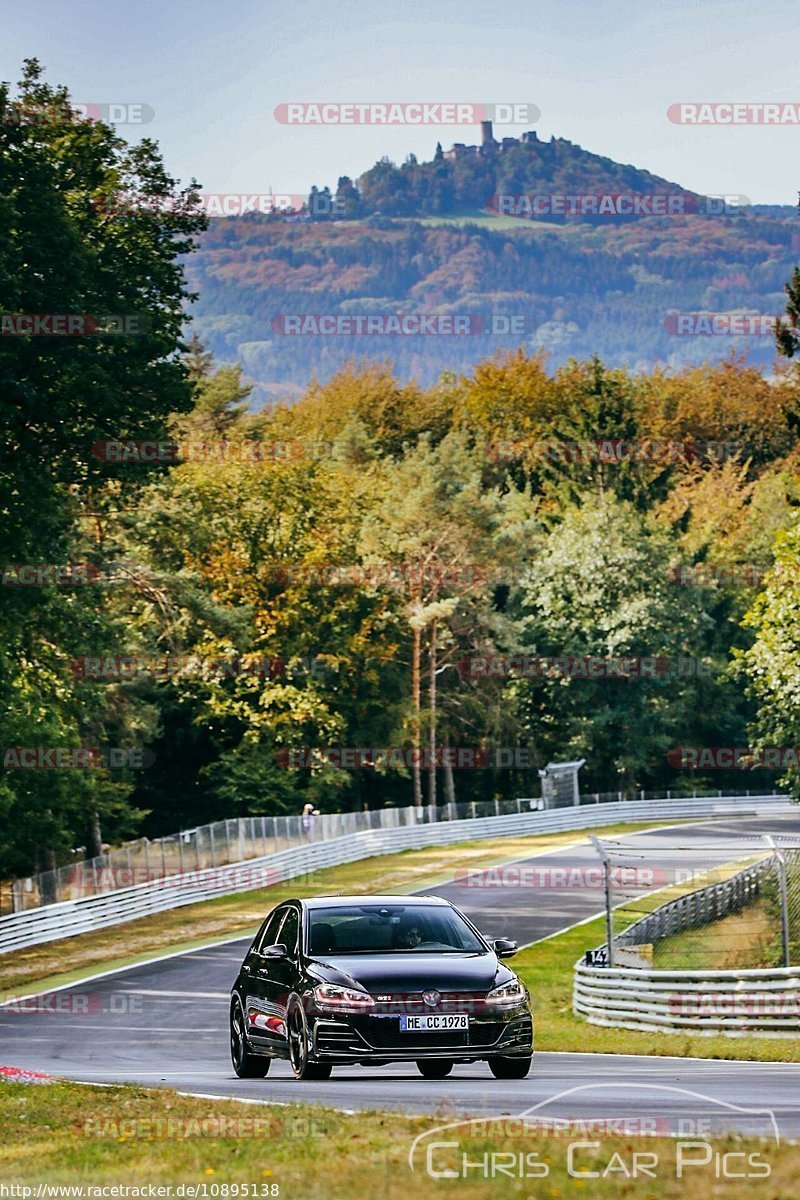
{"x":357,"y":568}
{"x":603,"y":289}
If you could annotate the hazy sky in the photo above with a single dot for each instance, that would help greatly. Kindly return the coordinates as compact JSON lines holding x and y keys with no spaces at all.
{"x":602,"y":73}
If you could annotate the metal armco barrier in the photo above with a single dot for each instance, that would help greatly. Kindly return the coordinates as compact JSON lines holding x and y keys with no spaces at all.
{"x":732,"y":1003}
{"x":67,"y":918}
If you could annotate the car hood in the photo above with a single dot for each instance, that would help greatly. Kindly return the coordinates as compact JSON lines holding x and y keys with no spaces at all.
{"x":412,"y":972}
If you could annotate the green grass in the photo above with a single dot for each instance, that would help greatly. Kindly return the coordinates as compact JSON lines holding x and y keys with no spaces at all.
{"x":502,"y":222}
{"x":547,"y":969}
{"x":70,"y":1134}
{"x":741,"y":941}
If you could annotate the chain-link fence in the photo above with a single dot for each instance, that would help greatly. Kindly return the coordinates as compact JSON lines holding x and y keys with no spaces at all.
{"x":220,"y":844}
{"x":242,"y":838}
{"x":701,"y":900}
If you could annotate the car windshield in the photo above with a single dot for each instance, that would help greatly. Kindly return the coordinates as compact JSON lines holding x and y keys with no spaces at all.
{"x":398,"y":929}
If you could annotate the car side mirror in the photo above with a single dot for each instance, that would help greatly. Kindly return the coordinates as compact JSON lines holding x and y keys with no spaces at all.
{"x":504,"y":947}
{"x":276,"y":951}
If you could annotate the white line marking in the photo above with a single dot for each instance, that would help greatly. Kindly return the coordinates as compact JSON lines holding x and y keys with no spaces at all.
{"x":188,"y":996}
{"x":119,"y":970}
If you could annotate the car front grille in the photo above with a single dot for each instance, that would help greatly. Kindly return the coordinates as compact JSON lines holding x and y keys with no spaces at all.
{"x":412,"y":1002}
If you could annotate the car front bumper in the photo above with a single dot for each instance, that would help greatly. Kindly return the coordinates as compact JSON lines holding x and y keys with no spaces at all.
{"x":345,"y":1038}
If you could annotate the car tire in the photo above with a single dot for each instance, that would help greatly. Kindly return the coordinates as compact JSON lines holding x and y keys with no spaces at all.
{"x":434,"y":1068}
{"x":245,"y":1064}
{"x":510,"y":1067}
{"x":297,"y":1035}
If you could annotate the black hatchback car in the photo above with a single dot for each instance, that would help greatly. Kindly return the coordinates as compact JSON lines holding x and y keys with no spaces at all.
{"x":373,"y":980}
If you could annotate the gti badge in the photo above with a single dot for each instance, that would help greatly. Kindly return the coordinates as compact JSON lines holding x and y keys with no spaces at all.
{"x":431,"y":998}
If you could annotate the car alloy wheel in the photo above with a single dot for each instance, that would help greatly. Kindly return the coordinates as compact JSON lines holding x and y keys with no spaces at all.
{"x":297,"y":1032}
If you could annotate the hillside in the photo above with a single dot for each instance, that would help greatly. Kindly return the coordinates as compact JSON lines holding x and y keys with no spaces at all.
{"x":573,"y":285}
{"x":467,"y":178}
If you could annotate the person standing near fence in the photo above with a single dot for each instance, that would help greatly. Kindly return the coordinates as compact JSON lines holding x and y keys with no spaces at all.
{"x":309,"y":820}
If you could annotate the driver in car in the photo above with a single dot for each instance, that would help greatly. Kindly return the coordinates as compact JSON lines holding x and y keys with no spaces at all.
{"x":409,"y":937}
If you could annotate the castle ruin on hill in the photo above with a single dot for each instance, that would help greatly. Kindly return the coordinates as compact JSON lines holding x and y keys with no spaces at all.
{"x":489,"y":144}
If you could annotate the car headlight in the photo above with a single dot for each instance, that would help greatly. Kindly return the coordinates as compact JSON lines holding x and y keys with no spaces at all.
{"x":341,"y":999}
{"x":509,"y":995}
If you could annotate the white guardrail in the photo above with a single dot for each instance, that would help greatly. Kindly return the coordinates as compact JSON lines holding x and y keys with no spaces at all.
{"x":70,"y":917}
{"x":765,"y":1003}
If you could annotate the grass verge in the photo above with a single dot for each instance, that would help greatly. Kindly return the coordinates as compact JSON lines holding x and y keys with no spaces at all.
{"x":66,"y":1134}
{"x":547,"y":969}
{"x":738,"y":942}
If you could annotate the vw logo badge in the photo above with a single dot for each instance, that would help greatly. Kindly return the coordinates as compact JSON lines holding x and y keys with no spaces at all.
{"x":431,"y":998}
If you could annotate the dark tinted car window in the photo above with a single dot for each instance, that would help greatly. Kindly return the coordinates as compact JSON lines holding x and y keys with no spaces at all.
{"x":289,"y":931}
{"x":270,"y":931}
{"x":401,"y":928}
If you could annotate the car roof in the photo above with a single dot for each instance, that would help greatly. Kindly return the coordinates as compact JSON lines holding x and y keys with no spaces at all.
{"x":370,"y":901}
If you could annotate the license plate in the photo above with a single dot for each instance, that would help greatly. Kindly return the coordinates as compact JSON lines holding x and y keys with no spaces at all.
{"x":434,"y":1021}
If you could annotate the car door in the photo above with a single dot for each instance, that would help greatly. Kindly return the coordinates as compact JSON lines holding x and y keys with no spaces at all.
{"x":282,"y":973}
{"x":264,"y":1019}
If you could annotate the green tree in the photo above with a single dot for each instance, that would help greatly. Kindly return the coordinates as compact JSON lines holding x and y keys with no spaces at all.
{"x":771,"y":663}
{"x":69,"y":247}
{"x":600,"y":588}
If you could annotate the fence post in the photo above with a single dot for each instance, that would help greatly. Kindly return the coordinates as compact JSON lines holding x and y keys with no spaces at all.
{"x":781,"y":861}
{"x":598,"y":845}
